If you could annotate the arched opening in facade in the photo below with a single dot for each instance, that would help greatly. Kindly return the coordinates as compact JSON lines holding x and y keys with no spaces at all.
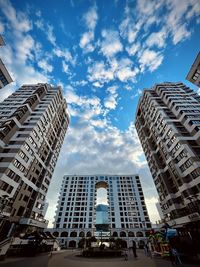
{"x":73,"y":234}
{"x":56,"y":234}
{"x":131,"y":234}
{"x":64,"y":234}
{"x":115,"y":234}
{"x":72,"y":244}
{"x":122,"y":234}
{"x":101,"y":189}
{"x":139,"y":234}
{"x":89,"y":234}
{"x":81,"y":234}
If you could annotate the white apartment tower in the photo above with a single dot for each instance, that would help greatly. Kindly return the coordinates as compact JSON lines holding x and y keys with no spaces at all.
{"x":168,"y":126}
{"x":76,"y":210}
{"x":33,"y":123}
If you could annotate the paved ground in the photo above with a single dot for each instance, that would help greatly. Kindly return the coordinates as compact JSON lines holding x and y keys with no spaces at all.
{"x":73,"y":259}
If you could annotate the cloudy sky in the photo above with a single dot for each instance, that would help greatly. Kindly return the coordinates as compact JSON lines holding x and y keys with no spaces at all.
{"x":103,"y":53}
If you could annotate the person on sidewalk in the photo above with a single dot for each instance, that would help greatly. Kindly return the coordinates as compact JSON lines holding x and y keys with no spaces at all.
{"x":134,"y":249}
{"x":176,"y":256}
{"x":146,"y":249}
{"x":150,"y":253}
{"x":171,"y":256}
{"x":125,"y":254}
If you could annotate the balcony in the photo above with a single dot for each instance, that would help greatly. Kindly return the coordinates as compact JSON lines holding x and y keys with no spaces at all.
{"x":40,"y":223}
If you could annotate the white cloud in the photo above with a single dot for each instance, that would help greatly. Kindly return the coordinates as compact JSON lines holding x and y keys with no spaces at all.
{"x":130,"y":29}
{"x":82,"y":106}
{"x":125,"y":70}
{"x":86,"y":42}
{"x":180,"y":33}
{"x":125,"y":74}
{"x":43,"y":64}
{"x":91,"y":18}
{"x":111,"y":44}
{"x":178,"y":18}
{"x":148,"y":7}
{"x":112,"y":89}
{"x":6,"y":91}
{"x":174,"y":24}
{"x":144,"y":16}
{"x":79,"y":83}
{"x":110,"y":102}
{"x":97,"y":84}
{"x":64,"y":53}
{"x":99,"y":123}
{"x":1,"y":27}
{"x":50,"y":35}
{"x":157,"y":39}
{"x":65,"y":67}
{"x":25,"y":48}
{"x":99,"y":72}
{"x":20,"y":55}
{"x":40,"y":24}
{"x":38,"y":13}
{"x":194,"y":10}
{"x":138,"y":92}
{"x":150,"y":59}
{"x":19,"y":21}
{"x":133,"y":49}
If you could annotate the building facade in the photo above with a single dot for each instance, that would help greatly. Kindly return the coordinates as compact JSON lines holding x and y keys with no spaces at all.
{"x":168,"y":126}
{"x":33,"y":123}
{"x":194,"y":72}
{"x":5,"y":77}
{"x":76,"y":210}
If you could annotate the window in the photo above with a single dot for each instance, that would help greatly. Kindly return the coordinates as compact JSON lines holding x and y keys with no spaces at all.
{"x":195,"y":173}
{"x":23,"y":156}
{"x":16,"y":163}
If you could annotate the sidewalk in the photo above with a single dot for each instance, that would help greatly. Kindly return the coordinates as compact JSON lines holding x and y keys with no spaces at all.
{"x":69,"y":258}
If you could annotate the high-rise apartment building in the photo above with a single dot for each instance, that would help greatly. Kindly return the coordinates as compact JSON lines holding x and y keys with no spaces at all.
{"x":5,"y":77}
{"x":33,"y":123}
{"x":76,"y":210}
{"x":194,"y":72}
{"x":168,"y":126}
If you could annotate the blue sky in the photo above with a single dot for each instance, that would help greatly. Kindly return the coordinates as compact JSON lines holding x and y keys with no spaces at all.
{"x":103,"y":54}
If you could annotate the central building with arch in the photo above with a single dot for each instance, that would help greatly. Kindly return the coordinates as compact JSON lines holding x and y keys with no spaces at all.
{"x":76,"y":210}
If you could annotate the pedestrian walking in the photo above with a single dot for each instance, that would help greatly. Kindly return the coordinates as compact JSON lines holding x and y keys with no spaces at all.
{"x":134,"y":249}
{"x":146,"y":249}
{"x":177,"y":259}
{"x":171,"y":256}
{"x":149,"y":250}
{"x":125,"y":254}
